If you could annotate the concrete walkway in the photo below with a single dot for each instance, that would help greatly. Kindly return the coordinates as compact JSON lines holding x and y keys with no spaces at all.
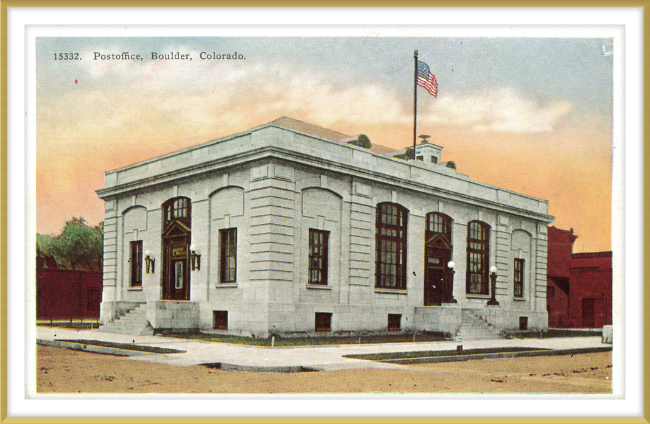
{"x":258,"y":358}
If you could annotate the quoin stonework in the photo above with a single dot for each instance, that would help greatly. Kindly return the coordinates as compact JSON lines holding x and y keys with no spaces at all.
{"x":288,"y":229}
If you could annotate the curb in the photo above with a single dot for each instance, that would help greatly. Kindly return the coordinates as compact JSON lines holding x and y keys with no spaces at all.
{"x":253,"y":368}
{"x":528,"y":353}
{"x":91,"y":348}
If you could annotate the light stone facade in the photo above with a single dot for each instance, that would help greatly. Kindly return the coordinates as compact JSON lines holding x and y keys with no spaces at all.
{"x":273,"y":184}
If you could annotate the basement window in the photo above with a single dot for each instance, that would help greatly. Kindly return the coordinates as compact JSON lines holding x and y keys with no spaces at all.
{"x":323,"y":322}
{"x":394,"y":322}
{"x":220,"y":320}
{"x":523,"y":323}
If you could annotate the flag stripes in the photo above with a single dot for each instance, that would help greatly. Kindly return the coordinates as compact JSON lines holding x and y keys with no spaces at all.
{"x":426,"y":79}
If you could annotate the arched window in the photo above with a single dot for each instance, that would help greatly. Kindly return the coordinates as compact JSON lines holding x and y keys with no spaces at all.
{"x":391,"y":246}
{"x":177,"y":209}
{"x":438,"y":223}
{"x":478,"y":248}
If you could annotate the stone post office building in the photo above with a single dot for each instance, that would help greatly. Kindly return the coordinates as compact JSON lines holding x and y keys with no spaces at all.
{"x":286,"y":229}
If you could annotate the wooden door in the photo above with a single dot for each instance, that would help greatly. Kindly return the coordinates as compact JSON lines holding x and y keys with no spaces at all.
{"x":433,"y":285}
{"x":434,"y":279}
{"x":176,"y":273}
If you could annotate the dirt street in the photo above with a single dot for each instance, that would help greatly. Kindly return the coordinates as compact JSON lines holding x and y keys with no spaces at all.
{"x":67,"y":371}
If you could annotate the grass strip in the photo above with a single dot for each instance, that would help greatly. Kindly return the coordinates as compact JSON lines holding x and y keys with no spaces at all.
{"x":307,"y":341}
{"x":438,"y":353}
{"x":125,"y":346}
{"x":552,"y":333}
{"x":75,"y":325}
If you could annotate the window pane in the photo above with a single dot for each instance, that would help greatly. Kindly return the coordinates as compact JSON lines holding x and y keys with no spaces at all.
{"x":519,"y":277}
{"x":477,"y":257}
{"x":390,"y":240}
{"x":317,"y":256}
{"x":228,"y":255}
{"x":178,"y":275}
{"x":135,"y":260}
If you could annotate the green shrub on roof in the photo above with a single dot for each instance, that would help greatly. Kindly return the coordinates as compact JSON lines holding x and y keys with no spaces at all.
{"x":362,"y":141}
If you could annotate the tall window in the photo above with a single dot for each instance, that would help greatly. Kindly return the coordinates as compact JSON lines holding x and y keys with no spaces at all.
{"x":391,"y":246}
{"x":228,"y":241}
{"x":318,"y":256}
{"x":519,"y":278}
{"x":136,"y":263}
{"x":478,"y":247}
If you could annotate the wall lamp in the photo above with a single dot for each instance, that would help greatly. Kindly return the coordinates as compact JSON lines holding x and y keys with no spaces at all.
{"x":150,"y":263}
{"x":493,"y":280}
{"x":195,"y":258}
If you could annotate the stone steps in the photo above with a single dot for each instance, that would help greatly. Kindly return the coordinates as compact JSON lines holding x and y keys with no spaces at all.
{"x":473,"y":327}
{"x":133,"y":322}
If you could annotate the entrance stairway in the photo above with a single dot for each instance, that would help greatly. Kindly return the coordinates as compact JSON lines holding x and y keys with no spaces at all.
{"x":132,"y":322}
{"x":473,"y":327}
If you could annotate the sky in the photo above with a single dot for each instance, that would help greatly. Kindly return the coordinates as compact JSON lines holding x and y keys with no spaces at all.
{"x":532,"y":115}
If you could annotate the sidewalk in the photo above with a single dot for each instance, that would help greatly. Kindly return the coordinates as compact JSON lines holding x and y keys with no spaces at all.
{"x":326,"y":358}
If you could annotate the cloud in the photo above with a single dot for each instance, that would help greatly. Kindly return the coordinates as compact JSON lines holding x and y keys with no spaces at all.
{"x":152,"y":97}
{"x":503,"y":110}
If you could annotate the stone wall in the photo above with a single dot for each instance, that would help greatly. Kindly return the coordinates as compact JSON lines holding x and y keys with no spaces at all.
{"x":273,"y":197}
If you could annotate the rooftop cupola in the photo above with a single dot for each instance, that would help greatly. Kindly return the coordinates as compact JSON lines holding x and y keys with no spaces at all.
{"x":429,"y":153}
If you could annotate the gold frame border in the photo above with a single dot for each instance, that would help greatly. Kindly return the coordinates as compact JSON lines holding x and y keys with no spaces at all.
{"x":645,"y":4}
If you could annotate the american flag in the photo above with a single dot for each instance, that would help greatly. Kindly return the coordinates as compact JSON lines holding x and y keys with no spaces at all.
{"x":426,"y":79}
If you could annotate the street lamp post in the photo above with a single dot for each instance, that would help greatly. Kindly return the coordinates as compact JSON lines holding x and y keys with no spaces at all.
{"x":449,"y":292}
{"x":493,"y":280}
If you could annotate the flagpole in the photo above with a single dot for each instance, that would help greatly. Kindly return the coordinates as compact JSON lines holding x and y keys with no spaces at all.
{"x":415,"y":101}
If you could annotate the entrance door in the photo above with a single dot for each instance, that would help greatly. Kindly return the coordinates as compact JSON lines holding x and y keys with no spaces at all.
{"x":433,"y":287}
{"x":176,"y":276}
{"x":434,"y":279}
{"x":176,"y":236}
{"x":588,"y":313}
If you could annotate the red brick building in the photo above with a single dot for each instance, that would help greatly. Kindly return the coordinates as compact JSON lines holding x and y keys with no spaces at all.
{"x":66,"y":294}
{"x":579,"y":288}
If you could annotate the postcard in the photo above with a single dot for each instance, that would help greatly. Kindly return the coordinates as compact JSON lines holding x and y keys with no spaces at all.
{"x":421,"y":213}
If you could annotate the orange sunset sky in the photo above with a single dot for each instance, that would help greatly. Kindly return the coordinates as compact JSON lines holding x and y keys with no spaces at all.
{"x":532,"y":115}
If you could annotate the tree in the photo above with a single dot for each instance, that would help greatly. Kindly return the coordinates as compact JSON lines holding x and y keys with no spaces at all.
{"x":79,"y":246}
{"x":362,"y":141}
{"x":451,"y":164}
{"x":409,"y":153}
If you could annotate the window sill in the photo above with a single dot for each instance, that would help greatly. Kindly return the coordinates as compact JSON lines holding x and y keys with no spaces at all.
{"x":226,"y":286}
{"x":134,"y":288}
{"x":478,"y":296}
{"x":319,"y":287}
{"x":391,"y":291}
{"x":519,"y":299}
